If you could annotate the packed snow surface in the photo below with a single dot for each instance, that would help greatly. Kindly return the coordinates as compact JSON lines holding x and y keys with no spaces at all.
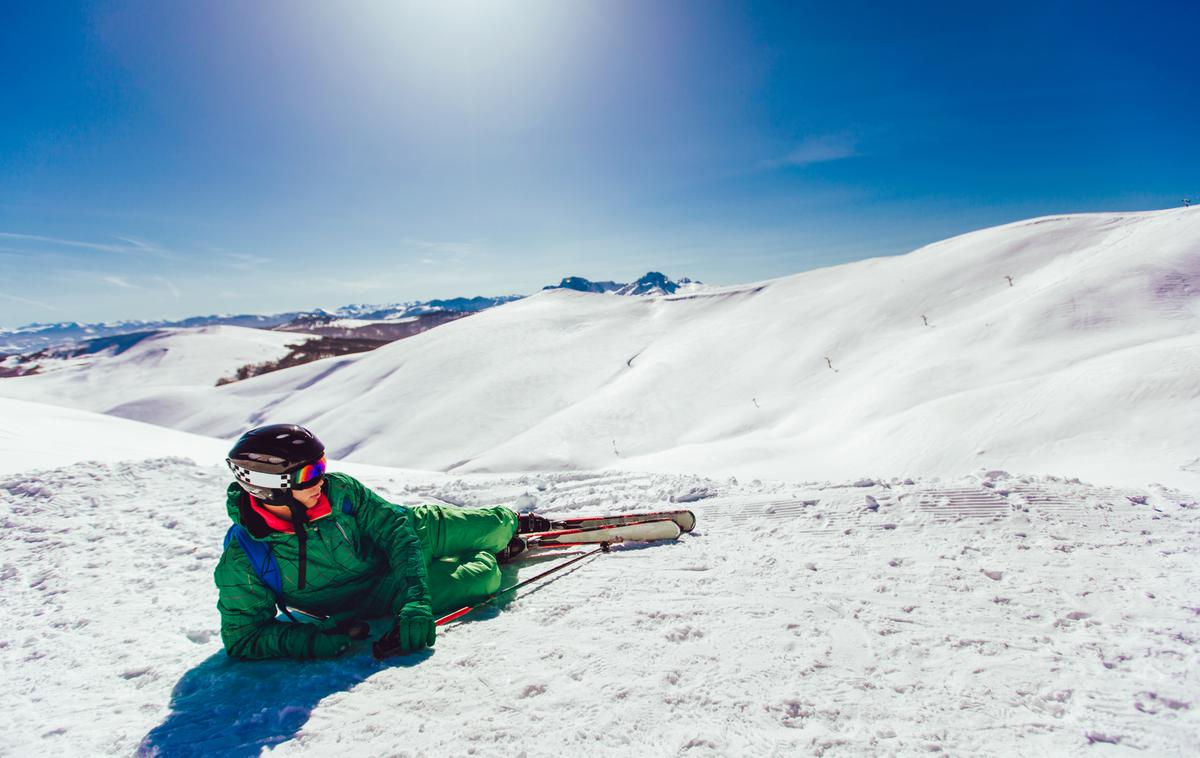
{"x":1061,"y":345}
{"x":991,"y":615}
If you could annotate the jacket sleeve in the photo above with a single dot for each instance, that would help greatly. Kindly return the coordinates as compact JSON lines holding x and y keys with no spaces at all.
{"x":392,"y":530}
{"x":248,"y":626}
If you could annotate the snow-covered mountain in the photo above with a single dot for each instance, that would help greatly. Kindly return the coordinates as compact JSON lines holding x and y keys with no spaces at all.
{"x":374,"y":321}
{"x":387,"y":329}
{"x":106,"y":372}
{"x":394,"y":311}
{"x":579,"y":284}
{"x":653,"y":283}
{"x":1064,"y":344}
{"x":41,"y":336}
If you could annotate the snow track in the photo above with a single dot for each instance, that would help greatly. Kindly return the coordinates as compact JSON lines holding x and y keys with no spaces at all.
{"x":991,"y":615}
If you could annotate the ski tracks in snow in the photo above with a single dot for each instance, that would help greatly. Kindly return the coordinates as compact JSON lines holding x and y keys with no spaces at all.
{"x":992,"y":615}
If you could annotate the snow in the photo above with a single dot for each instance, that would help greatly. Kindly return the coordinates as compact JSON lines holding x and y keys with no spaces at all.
{"x":355,"y":323}
{"x":975,"y":537}
{"x":990,"y":615}
{"x":181,"y":360}
{"x":927,"y":364}
{"x":38,"y":436}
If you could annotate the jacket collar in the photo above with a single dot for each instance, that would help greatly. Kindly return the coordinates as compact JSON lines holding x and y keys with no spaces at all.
{"x":277,"y":524}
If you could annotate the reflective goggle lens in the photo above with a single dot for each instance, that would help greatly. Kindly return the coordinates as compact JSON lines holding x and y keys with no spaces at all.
{"x":306,"y":476}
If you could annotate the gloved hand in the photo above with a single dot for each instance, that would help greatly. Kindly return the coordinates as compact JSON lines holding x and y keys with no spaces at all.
{"x":338,"y":639}
{"x":329,"y":644}
{"x":414,"y":627}
{"x":355,"y":629}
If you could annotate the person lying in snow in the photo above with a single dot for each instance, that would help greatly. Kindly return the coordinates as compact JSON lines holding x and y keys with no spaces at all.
{"x":343,"y":553}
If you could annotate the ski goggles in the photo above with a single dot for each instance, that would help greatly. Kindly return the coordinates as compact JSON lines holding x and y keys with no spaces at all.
{"x":308,"y":475}
{"x":299,"y":479}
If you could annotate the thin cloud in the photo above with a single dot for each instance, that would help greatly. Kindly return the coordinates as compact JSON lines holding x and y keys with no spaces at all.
{"x":128,"y":246}
{"x":361,"y":285}
{"x":245,"y":261}
{"x":816,"y":150}
{"x":27,"y":301}
{"x":120,"y":281}
{"x":446,"y":248}
{"x":169,"y":286}
{"x":15,"y":252}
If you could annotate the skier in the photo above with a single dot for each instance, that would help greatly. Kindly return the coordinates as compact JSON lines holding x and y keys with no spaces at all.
{"x":343,"y":554}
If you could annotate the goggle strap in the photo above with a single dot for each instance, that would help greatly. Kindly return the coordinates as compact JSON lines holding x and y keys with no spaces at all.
{"x":260,"y":479}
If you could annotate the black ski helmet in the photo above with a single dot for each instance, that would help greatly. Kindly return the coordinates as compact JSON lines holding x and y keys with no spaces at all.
{"x":270,"y":461}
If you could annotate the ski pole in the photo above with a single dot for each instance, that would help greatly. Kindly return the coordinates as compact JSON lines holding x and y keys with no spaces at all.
{"x":604,"y":548}
{"x":386,"y":647}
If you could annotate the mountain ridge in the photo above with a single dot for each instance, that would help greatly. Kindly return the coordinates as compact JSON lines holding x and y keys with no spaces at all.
{"x":40,"y":336}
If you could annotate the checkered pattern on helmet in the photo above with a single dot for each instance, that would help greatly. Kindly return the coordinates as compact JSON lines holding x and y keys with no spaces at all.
{"x":248,"y":476}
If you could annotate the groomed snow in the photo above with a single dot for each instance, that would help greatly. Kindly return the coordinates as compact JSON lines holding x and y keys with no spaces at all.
{"x":925,"y":364}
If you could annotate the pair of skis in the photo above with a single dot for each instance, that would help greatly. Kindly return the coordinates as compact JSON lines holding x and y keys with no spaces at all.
{"x":591,"y":530}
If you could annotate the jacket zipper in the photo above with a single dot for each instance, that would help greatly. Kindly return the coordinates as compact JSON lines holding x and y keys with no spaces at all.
{"x":343,"y":531}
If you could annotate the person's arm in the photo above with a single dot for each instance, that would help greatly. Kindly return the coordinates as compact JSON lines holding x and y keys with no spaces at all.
{"x":248,"y":626}
{"x":391,"y":528}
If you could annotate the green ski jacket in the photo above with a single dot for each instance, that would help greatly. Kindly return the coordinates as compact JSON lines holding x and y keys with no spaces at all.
{"x":364,"y":564}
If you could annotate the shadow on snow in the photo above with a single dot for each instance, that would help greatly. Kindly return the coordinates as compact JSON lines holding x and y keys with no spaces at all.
{"x":236,"y":708}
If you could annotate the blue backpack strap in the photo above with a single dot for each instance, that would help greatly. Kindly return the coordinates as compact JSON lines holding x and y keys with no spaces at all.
{"x":262,"y":560}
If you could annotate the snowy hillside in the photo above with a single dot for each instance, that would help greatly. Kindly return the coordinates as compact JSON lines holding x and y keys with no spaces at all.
{"x":1065,"y":345}
{"x":181,"y":360}
{"x":37,"y":436}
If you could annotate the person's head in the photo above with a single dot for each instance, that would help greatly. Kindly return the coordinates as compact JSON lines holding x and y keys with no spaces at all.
{"x":280,"y":464}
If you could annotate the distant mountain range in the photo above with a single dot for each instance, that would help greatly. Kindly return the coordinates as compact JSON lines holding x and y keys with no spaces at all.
{"x":362,"y":321}
{"x":427,"y":313}
{"x":653,"y":283}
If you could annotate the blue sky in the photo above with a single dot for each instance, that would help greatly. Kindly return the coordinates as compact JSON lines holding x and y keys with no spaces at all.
{"x":172,"y":159}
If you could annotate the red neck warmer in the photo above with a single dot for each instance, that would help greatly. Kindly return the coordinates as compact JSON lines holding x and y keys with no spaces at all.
{"x":283,"y":525}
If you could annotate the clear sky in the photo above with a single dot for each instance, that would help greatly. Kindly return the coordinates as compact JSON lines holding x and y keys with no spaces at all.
{"x":164,"y":159}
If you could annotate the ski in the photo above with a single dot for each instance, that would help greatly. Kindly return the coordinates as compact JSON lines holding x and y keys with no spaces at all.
{"x":638,"y":531}
{"x":686,"y":520}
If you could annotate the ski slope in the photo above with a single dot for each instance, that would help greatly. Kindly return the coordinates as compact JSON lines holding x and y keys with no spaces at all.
{"x":1064,"y":345}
